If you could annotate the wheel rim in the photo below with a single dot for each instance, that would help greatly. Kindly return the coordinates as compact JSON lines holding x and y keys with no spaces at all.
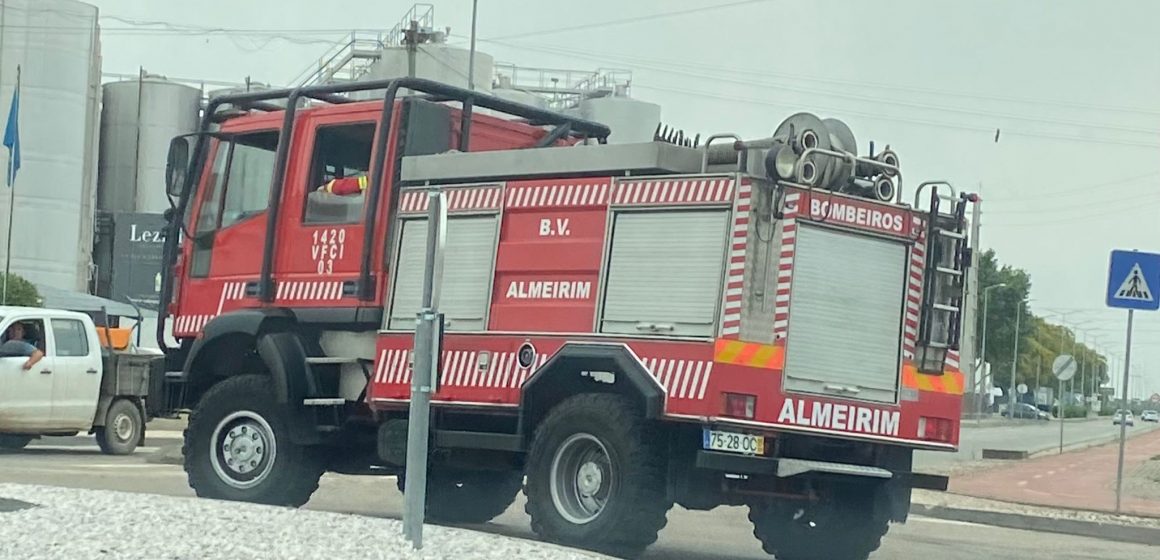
{"x":242,"y":449}
{"x":123,"y":427}
{"x":581,"y":478}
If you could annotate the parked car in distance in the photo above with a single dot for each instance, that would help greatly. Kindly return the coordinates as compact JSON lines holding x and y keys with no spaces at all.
{"x":1123,"y":416}
{"x":1150,"y":416}
{"x":1028,"y":411}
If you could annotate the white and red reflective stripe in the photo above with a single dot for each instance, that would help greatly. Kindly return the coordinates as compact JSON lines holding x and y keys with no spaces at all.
{"x":583,"y":193}
{"x":309,"y":290}
{"x":642,"y":192}
{"x":735,"y":262}
{"x":681,"y":379}
{"x":914,"y":277}
{"x":459,"y":199}
{"x":785,"y":264}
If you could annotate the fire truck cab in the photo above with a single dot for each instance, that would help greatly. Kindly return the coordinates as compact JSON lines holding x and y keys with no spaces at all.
{"x":627,"y":327}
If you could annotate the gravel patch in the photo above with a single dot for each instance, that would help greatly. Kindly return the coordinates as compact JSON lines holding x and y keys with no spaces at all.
{"x":1144,"y":481}
{"x":75,"y":523}
{"x":946,"y":499}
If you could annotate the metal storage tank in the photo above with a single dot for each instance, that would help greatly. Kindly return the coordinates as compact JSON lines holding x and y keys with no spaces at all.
{"x":631,"y":120}
{"x":138,"y":119}
{"x":52,"y":226}
{"x":434,"y":61}
{"x":520,"y":96}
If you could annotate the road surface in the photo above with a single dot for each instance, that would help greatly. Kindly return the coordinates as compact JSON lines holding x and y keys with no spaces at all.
{"x":1032,"y":435}
{"x":719,"y":535}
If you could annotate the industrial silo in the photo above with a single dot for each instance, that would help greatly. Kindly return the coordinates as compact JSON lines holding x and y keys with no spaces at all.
{"x":138,"y":119}
{"x":630,"y":120}
{"x":52,"y":223}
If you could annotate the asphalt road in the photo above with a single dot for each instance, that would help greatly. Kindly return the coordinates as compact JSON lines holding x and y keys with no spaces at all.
{"x":1031,"y":435}
{"x":718,"y":535}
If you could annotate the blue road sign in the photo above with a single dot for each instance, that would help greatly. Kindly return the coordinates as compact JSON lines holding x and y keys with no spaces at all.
{"x":1133,"y":278}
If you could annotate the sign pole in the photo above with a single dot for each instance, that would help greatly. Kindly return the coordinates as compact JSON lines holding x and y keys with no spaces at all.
{"x":428,"y":343}
{"x":1061,"y":417}
{"x":1123,"y":424}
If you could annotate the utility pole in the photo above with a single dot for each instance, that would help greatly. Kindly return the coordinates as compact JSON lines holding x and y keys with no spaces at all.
{"x":1014,"y":362}
{"x":969,"y":327}
{"x":471,"y":53}
{"x":411,"y":39}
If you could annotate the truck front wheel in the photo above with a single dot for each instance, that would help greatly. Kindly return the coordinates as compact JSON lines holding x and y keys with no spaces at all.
{"x":237,"y":447}
{"x":122,"y":429}
{"x":842,"y":526}
{"x":596,"y":476}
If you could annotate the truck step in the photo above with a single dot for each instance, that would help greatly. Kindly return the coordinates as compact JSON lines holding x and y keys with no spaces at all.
{"x":324,"y":402}
{"x":792,"y":467}
{"x":331,"y":360}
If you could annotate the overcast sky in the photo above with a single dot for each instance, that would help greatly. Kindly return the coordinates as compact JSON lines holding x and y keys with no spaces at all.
{"x":1072,"y":84}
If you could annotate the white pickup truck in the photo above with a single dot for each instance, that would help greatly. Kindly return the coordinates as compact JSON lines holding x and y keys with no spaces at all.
{"x":74,"y":385}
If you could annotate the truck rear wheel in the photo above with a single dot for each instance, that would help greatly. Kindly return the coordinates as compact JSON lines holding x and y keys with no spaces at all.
{"x":122,"y":429}
{"x":14,"y":442}
{"x":596,"y":476}
{"x":237,"y":447}
{"x":843,"y":526}
{"x":463,"y":496}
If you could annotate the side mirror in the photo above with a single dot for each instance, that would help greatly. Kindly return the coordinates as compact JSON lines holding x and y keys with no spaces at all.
{"x":177,"y":165}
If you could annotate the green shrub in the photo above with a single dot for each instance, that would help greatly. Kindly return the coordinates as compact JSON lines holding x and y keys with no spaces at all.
{"x":20,"y":291}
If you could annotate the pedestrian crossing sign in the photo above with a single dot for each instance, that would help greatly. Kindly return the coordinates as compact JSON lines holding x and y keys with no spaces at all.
{"x":1133,"y":278}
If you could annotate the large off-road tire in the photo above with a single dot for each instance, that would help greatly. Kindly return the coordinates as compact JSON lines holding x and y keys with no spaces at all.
{"x":468,"y":497}
{"x":843,"y":526}
{"x":237,"y":447}
{"x":14,"y":441}
{"x":122,"y":429}
{"x":596,"y":476}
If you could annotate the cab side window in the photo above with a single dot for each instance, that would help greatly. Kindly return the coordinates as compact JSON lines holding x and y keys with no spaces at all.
{"x":239,"y":183}
{"x":30,"y":331}
{"x":339,"y":174}
{"x":72,"y":340}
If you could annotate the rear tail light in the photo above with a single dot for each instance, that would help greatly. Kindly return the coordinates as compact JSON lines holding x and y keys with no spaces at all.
{"x":738,"y":405}
{"x":936,"y":429}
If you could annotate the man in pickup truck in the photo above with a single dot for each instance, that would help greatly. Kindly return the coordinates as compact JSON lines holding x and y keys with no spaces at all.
{"x":14,"y":342}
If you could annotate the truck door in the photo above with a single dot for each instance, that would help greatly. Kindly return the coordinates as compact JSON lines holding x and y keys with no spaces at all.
{"x":224,"y":257}
{"x":320,"y":241}
{"x":76,"y":382}
{"x":26,"y":395}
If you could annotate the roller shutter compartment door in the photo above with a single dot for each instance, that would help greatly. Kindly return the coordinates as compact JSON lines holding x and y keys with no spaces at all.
{"x":847,"y":299}
{"x":468,"y":257}
{"x":665,"y":269}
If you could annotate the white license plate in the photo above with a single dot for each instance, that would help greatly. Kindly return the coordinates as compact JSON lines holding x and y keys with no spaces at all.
{"x":734,"y":442}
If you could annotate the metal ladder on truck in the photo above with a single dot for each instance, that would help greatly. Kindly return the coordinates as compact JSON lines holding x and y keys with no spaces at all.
{"x":944,"y":275}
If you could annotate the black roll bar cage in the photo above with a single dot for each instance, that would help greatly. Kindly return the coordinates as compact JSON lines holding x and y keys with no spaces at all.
{"x":429,"y":90}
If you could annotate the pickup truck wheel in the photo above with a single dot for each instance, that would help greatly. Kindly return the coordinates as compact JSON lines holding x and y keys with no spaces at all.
{"x":14,"y":442}
{"x":843,"y":526}
{"x":470,"y":497}
{"x":596,"y":476}
{"x":122,"y":429}
{"x":237,"y":447}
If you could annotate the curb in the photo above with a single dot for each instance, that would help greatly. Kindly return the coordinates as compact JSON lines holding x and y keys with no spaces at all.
{"x":1092,"y":529}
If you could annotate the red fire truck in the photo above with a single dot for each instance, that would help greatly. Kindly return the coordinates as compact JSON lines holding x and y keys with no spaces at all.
{"x":628,"y":326}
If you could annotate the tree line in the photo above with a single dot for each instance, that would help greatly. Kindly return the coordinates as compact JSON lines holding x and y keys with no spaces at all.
{"x":1040,"y":340}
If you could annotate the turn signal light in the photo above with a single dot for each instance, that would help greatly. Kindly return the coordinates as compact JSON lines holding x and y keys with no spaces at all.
{"x":738,"y":405}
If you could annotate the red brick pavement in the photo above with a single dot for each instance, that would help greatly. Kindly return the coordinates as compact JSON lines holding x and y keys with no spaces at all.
{"x":1084,"y":479}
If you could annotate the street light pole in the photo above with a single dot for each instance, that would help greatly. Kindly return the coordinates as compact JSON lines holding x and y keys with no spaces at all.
{"x":981,"y":370}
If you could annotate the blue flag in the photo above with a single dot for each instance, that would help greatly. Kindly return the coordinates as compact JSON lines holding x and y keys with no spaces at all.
{"x":12,"y":132}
